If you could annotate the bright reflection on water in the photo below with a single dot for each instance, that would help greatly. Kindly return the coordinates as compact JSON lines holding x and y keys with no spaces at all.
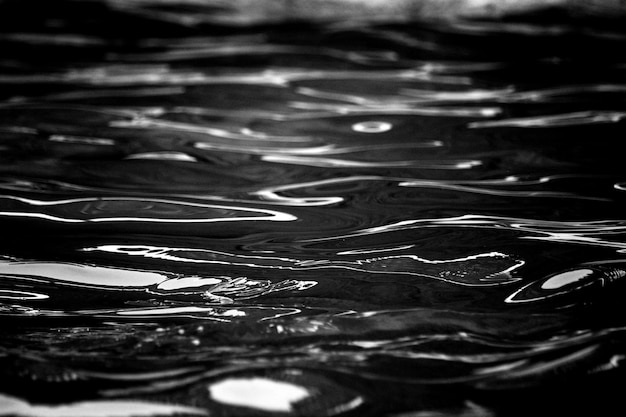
{"x":308,"y":220}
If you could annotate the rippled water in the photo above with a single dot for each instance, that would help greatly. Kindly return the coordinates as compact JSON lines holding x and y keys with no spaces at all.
{"x":312,"y":220}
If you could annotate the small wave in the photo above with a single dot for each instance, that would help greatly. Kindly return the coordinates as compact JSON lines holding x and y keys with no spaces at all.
{"x":583,"y":232}
{"x":568,"y":283}
{"x":484,"y":269}
{"x":559,"y":120}
{"x":127,"y":209}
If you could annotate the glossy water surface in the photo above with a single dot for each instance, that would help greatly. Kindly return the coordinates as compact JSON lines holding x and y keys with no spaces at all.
{"x":311,"y":220}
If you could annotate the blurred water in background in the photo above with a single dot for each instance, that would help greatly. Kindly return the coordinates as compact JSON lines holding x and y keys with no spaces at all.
{"x":308,"y":219}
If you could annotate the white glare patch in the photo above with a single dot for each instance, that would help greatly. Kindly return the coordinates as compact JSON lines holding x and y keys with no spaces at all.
{"x":372,"y":127}
{"x":181,"y":311}
{"x":566,"y":278}
{"x":163,"y":156}
{"x":187,"y":283}
{"x":259,"y":393}
{"x":468,"y":164}
{"x":12,"y":406}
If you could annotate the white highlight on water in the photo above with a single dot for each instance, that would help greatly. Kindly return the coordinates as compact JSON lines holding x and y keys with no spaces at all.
{"x":81,"y":274}
{"x":566,"y":278}
{"x":12,"y":406}
{"x":372,"y":127}
{"x":259,"y":393}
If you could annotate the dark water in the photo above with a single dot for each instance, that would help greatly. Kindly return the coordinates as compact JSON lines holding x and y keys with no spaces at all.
{"x":309,"y":220}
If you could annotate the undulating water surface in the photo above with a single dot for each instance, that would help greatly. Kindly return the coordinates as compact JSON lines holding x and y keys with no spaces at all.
{"x":308,"y":219}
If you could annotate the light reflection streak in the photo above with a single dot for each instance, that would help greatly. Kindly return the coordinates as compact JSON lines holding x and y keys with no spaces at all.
{"x":422,"y":96}
{"x":415,"y":100}
{"x":14,"y":406}
{"x":163,"y":74}
{"x":141,"y":376}
{"x":348,"y":163}
{"x":386,"y":108}
{"x":163,"y":156}
{"x":233,"y":114}
{"x":192,"y":312}
{"x":213,"y":289}
{"x":574,"y":280}
{"x":352,"y":98}
{"x":557,"y":120}
{"x":364,"y":251}
{"x":82,"y":274}
{"x":148,"y":123}
{"x":71,"y":39}
{"x":206,"y":48}
{"x":225,"y":314}
{"x":373,"y":126}
{"x":82,"y":140}
{"x":259,"y":142}
{"x":484,"y":269}
{"x":41,"y":186}
{"x":581,"y":232}
{"x":283,"y":77}
{"x":95,"y":210}
{"x":19,"y":129}
{"x":270,"y":195}
{"x":91,"y":94}
{"x":327,"y":149}
{"x":511,"y":95}
{"x":260,"y":150}
{"x":530,"y":369}
{"x":449,"y":185}
{"x":21,"y":295}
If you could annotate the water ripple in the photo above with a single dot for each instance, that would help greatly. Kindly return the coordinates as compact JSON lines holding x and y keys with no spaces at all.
{"x":344,"y":163}
{"x":564,"y":284}
{"x":110,"y":209}
{"x":583,"y":232}
{"x":558,"y":120}
{"x":320,"y":218}
{"x":484,"y":269}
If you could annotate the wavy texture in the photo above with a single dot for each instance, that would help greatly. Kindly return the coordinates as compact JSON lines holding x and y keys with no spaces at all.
{"x":350,"y":218}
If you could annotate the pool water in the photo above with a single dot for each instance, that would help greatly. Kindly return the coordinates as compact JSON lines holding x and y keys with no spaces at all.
{"x":401,"y":220}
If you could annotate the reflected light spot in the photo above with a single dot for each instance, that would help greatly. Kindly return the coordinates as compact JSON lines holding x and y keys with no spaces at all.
{"x":372,"y":127}
{"x":259,"y":393}
{"x":187,"y":283}
{"x":566,"y":278}
{"x":468,"y":164}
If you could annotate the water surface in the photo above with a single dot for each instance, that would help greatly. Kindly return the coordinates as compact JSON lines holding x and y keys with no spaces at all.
{"x":312,"y":220}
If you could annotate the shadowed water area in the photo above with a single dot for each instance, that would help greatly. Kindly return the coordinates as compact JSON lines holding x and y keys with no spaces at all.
{"x":309,"y":219}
